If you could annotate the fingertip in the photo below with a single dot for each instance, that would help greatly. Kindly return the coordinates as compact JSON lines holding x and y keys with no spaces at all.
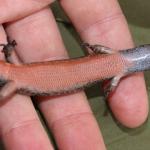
{"x":129,"y":103}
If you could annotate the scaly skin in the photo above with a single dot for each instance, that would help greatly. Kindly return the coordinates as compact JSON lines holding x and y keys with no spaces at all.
{"x":63,"y":76}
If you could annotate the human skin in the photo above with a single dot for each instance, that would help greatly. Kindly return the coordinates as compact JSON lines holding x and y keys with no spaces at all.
{"x":69,"y":117}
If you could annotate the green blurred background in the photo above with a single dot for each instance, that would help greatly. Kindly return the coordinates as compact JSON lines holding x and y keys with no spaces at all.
{"x":116,"y":136}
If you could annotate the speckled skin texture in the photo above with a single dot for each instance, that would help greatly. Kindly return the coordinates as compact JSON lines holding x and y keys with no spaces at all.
{"x":139,"y":56}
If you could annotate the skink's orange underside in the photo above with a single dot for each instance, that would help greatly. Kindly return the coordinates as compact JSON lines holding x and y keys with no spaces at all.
{"x":67,"y":74}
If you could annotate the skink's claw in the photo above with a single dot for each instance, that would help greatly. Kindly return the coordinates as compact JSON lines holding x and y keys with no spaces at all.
{"x":108,"y":90}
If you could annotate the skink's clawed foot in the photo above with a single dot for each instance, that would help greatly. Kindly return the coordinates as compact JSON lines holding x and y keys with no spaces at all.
{"x":108,"y":90}
{"x":98,"y":49}
{"x":110,"y":87}
{"x":8,"y":48}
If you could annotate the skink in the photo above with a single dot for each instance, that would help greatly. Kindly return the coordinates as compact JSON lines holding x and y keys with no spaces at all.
{"x":66,"y":76}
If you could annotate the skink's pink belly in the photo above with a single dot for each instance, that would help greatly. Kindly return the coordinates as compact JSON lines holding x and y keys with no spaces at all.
{"x":68,"y":74}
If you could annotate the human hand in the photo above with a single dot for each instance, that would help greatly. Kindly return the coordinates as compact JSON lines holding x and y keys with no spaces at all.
{"x":69,"y":117}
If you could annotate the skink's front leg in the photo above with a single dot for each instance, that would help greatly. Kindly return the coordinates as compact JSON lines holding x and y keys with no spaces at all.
{"x":10,"y":53}
{"x":10,"y":87}
{"x":8,"y":49}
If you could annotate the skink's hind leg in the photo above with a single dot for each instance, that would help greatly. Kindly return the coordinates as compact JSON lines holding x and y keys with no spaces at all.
{"x":97,"y":49}
{"x":7,"y":90}
{"x":111,"y":86}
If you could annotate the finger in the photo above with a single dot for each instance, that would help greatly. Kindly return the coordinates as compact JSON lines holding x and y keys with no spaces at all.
{"x":20,"y":127}
{"x":69,"y":117}
{"x":105,"y":24}
{"x":15,"y":9}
